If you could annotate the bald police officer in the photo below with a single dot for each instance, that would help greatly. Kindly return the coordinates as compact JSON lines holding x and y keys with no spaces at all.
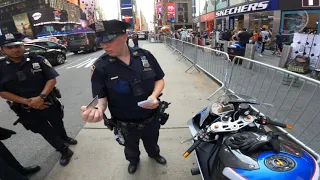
{"x":28,"y":83}
{"x":121,"y":78}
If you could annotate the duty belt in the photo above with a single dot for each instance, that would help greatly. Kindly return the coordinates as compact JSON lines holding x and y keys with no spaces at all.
{"x":135,"y":124}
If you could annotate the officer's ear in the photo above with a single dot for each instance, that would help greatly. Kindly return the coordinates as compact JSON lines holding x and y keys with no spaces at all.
{"x":1,"y":51}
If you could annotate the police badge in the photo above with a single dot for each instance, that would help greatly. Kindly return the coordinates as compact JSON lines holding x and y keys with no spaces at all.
{"x":145,"y":63}
{"x":36,"y":66}
{"x":9,"y":36}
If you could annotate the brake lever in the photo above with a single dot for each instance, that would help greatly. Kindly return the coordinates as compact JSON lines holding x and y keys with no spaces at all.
{"x":190,"y":139}
{"x":187,"y":140}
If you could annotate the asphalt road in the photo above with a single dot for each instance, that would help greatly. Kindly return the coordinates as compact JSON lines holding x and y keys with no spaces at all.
{"x":74,"y":84}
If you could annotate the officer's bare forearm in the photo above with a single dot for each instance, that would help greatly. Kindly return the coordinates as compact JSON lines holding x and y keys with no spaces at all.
{"x":12,"y":97}
{"x":102,"y":104}
{"x":159,"y":85}
{"x":49,"y":86}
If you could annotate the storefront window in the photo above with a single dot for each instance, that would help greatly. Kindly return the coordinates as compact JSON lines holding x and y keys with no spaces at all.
{"x":299,"y":22}
{"x":235,"y":2}
{"x":236,"y":22}
{"x":221,"y":24}
{"x":261,"y":20}
{"x":182,"y":10}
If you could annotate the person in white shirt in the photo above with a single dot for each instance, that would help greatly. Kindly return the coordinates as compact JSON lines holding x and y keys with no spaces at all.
{"x":265,"y":38}
{"x":183,"y":35}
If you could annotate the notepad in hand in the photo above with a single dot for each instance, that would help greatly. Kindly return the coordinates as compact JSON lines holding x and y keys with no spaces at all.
{"x":142,"y":103}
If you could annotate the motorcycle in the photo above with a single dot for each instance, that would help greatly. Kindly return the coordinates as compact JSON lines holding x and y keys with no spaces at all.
{"x":216,"y":126}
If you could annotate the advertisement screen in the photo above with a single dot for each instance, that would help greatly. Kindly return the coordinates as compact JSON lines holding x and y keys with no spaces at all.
{"x":126,"y":12}
{"x":159,"y":6}
{"x":170,"y":11}
{"x":22,"y":24}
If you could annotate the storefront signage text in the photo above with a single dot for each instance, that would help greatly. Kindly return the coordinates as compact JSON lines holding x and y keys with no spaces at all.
{"x":258,"y":6}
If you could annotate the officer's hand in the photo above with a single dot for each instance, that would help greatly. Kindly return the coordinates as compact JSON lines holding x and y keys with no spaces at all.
{"x":152,"y":105}
{"x":45,"y":105}
{"x":36,"y":102}
{"x":91,"y":115}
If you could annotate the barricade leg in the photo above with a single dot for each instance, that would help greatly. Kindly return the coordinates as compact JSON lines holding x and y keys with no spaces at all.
{"x":193,"y":67}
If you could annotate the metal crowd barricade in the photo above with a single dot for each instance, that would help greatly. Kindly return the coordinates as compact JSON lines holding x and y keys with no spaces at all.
{"x":213,"y":62}
{"x":286,"y":97}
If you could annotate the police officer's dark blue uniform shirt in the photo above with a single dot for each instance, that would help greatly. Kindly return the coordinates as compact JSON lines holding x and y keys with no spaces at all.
{"x":27,"y":78}
{"x":112,"y":78}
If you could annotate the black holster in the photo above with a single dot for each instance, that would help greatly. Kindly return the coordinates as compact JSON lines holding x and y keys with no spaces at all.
{"x":110,"y":123}
{"x":17,"y":109}
{"x":161,"y":116}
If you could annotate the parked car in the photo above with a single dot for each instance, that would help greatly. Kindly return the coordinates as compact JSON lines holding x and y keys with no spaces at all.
{"x":51,"y":45}
{"x":142,"y":36}
{"x":82,"y":42}
{"x":54,"y":56}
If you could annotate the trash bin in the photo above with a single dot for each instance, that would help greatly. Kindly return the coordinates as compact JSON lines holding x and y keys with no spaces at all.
{"x":233,"y":51}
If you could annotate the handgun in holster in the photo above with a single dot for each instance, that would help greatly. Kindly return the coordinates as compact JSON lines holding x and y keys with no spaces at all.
{"x":110,"y":123}
{"x":161,"y":116}
{"x":56,"y":92}
{"x":16,"y":109}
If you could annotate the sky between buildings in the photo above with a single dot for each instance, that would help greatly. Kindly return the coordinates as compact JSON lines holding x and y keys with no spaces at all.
{"x":111,"y":8}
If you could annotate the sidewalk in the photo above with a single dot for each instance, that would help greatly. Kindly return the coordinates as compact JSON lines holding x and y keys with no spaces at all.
{"x":267,"y":58}
{"x":99,"y":157}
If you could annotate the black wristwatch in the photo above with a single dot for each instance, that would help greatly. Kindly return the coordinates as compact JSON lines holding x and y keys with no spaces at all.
{"x":43,"y":96}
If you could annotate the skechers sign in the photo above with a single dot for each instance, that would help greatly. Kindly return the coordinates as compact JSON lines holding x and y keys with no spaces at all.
{"x":252,"y":7}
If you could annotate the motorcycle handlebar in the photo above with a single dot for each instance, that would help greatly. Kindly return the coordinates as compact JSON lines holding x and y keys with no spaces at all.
{"x":193,"y":147}
{"x":268,"y":121}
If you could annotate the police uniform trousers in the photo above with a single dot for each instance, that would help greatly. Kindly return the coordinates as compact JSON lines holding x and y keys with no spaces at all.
{"x":136,"y":43}
{"x":149,"y":135}
{"x":9,"y":166}
{"x":48,"y":123}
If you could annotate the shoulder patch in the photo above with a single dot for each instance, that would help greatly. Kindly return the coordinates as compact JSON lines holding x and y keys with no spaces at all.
{"x":93,"y":68}
{"x":45,"y":61}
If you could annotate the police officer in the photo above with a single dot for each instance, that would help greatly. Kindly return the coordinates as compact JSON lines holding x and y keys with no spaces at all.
{"x":27,"y":82}
{"x":11,"y":169}
{"x":121,"y":78}
{"x":135,"y":40}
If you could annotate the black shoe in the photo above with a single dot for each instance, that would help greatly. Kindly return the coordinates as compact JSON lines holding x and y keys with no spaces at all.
{"x":161,"y":160}
{"x":70,"y":141}
{"x":66,"y":156}
{"x":132,"y":168}
{"x":29,"y":170}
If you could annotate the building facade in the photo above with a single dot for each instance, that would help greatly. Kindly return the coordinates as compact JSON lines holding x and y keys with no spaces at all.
{"x":174,"y":13}
{"x":39,"y":18}
{"x":278,"y":15}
